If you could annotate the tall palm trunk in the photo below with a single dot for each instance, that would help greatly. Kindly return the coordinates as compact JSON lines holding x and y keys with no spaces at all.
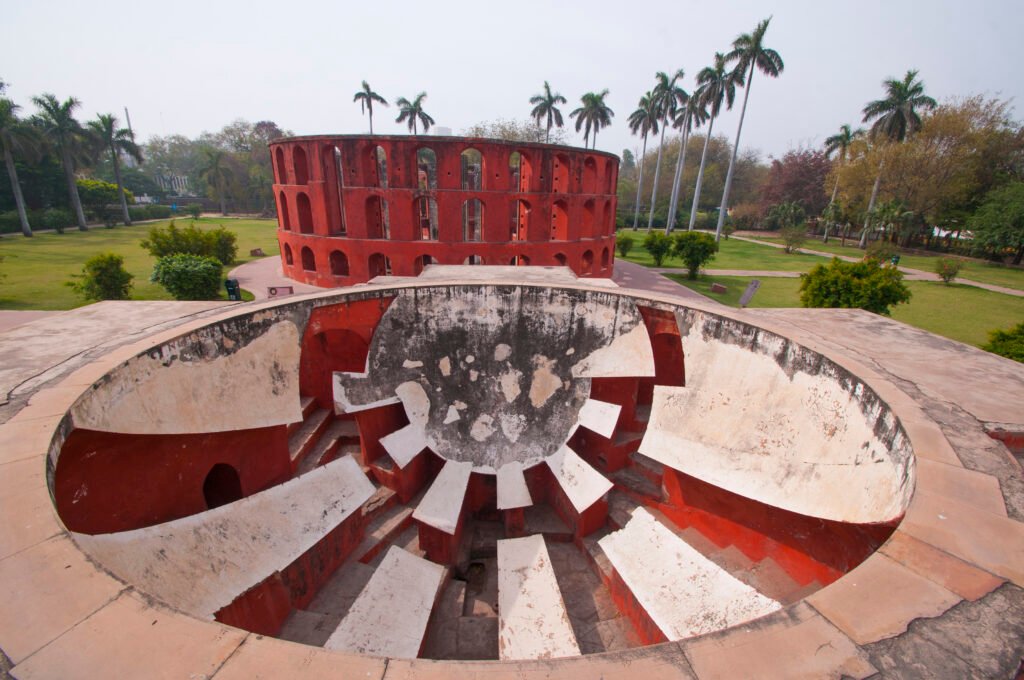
{"x":723,"y":209}
{"x":640,"y":183}
{"x":871,"y":206}
{"x":19,"y":200}
{"x":76,"y":202}
{"x":547,"y":135}
{"x":700,"y":175}
{"x":120,"y":187}
{"x":657,"y":172}
{"x":673,"y":205}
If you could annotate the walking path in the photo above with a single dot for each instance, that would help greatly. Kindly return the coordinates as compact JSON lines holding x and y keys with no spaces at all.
{"x":259,"y":275}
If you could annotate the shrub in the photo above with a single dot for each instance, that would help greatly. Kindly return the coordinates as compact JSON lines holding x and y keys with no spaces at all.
{"x":865,"y":285}
{"x":195,"y":210}
{"x":104,"y":278}
{"x":170,"y":240}
{"x":728,"y":227}
{"x":695,"y":249}
{"x":57,"y":219}
{"x":9,"y":222}
{"x":100,"y":199}
{"x":1009,"y":344}
{"x":658,"y":245}
{"x":624,"y":244}
{"x":189,"y":277}
{"x":223,"y":244}
{"x":793,"y":236}
{"x":746,"y":215}
{"x":880,"y":251}
{"x":948,"y":268}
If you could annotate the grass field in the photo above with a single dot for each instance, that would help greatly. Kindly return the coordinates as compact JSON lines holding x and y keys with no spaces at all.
{"x":975,"y":270}
{"x":732,"y":254}
{"x":35,"y":270}
{"x":960,"y":312}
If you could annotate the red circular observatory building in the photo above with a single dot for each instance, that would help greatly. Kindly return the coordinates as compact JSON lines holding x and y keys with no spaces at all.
{"x":352,"y":207}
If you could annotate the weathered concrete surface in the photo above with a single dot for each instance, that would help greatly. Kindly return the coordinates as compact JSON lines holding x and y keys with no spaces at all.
{"x":512,"y":489}
{"x":10,"y":319}
{"x":441,"y":506}
{"x":582,"y":484}
{"x":683,"y":592}
{"x":532,"y":620}
{"x":199,"y":564}
{"x":389,"y":618}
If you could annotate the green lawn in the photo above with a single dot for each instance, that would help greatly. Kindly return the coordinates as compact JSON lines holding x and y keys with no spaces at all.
{"x":36,"y":269}
{"x":732,"y":254}
{"x":975,"y":270}
{"x":960,"y":312}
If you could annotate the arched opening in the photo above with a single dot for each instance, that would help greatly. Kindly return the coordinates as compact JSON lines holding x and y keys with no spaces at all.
{"x":339,"y":263}
{"x":378,"y":224}
{"x":608,"y":222}
{"x":473,"y":259}
{"x":588,"y":262}
{"x":305,"y":213}
{"x":560,"y":178}
{"x":521,"y":261}
{"x":286,"y":219}
{"x":331,"y":166}
{"x":559,"y":221}
{"x":378,"y":265}
{"x":282,"y":170}
{"x":426,"y":216}
{"x":472,"y":219}
{"x":560,"y":259}
{"x":426,"y":169}
{"x":221,"y":486}
{"x":605,"y":259}
{"x":420,"y":263}
{"x":301,"y":165}
{"x":380,"y":160}
{"x":472,"y":170}
{"x":520,"y":226}
{"x":587,"y":228}
{"x":308,"y":259}
{"x":288,"y":254}
{"x":589,"y":176}
{"x":609,"y":177}
{"x":524,"y":171}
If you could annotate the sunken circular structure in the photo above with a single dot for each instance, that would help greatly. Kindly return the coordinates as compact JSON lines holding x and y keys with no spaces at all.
{"x":553,"y":470}
{"x":351,"y":208}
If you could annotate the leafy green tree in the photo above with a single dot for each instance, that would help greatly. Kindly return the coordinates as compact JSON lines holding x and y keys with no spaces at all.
{"x":864,"y":285}
{"x":366,"y":97}
{"x":1009,"y":343}
{"x":948,"y":268}
{"x":16,"y":137}
{"x":696,"y":249}
{"x":716,"y":85}
{"x":668,"y":97}
{"x":594,"y":115}
{"x":789,"y":218}
{"x":215,"y":172}
{"x":57,"y":122}
{"x":117,"y":141}
{"x":546,"y":108}
{"x":748,"y":50}
{"x":643,"y":120}
{"x":658,"y":245}
{"x":412,"y":111}
{"x":896,"y":117}
{"x":97,"y":197}
{"x":219,"y":243}
{"x":624,"y":244}
{"x":104,"y":278}
{"x":189,"y":277}
{"x":998,"y":225}
{"x":840,"y":142}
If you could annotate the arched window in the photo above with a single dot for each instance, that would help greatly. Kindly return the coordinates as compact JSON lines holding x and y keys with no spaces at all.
{"x":589,"y":176}
{"x":588,"y":262}
{"x":472,"y":170}
{"x":520,"y":226}
{"x":305,"y":213}
{"x":587,"y":230}
{"x":330,"y":163}
{"x":605,"y":259}
{"x":426,"y":218}
{"x":381,"y":161}
{"x":521,"y":261}
{"x":288,"y":254}
{"x":523,"y":169}
{"x":426,"y":169}
{"x":515,"y":162}
{"x":608,"y":223}
{"x":420,"y":262}
{"x":559,"y":221}
{"x":560,"y":259}
{"x":339,"y":263}
{"x":308,"y":259}
{"x":282,"y":170}
{"x":221,"y":486}
{"x":560,"y":179}
{"x":378,"y":265}
{"x":472,"y":219}
{"x":609,"y":177}
{"x":286,"y":219}
{"x":473,"y":259}
{"x":301,"y":165}
{"x":378,"y":223}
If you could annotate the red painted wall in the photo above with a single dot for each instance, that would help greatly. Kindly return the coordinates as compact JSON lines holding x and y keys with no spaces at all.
{"x":107,"y":482}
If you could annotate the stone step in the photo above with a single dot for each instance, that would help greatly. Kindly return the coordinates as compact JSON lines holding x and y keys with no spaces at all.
{"x":648,"y":467}
{"x":302,"y":439}
{"x":636,"y":484}
{"x":542,"y":519}
{"x":308,"y":405}
{"x":383,"y":499}
{"x":308,"y":628}
{"x":337,"y":595}
{"x":325,"y":447}
{"x":382,"y":529}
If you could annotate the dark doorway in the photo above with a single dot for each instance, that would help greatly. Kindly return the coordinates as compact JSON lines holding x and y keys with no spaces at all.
{"x":221,"y":486}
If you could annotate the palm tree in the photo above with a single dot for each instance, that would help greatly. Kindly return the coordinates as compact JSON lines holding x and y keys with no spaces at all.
{"x":217,"y":174}
{"x":716,"y":85}
{"x":16,"y":136}
{"x":594,"y":115}
{"x":116,"y":140}
{"x":747,"y":50}
{"x":895,"y":118}
{"x":644,"y":120}
{"x":840,"y":142}
{"x":366,"y":97}
{"x":669,"y":97}
{"x":57,"y":122}
{"x":413,"y":111}
{"x":546,"y":107}
{"x":690,"y":116}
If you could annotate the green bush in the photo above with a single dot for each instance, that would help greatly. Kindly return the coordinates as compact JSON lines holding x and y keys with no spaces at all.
{"x":195,"y":210}
{"x":695,"y":248}
{"x":189,"y":277}
{"x":9,"y":222}
{"x":881,"y":251}
{"x":218,"y":243}
{"x":658,"y":245}
{"x":793,"y":236}
{"x":948,"y":268}
{"x":224,"y":244}
{"x":100,"y":199}
{"x":1009,"y":344}
{"x":57,"y":219}
{"x":149,"y":212}
{"x":865,"y":285}
{"x":104,"y":278}
{"x":624,"y":244}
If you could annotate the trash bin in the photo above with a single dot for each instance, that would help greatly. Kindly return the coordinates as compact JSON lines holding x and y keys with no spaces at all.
{"x":234,"y":290}
{"x":895,"y":260}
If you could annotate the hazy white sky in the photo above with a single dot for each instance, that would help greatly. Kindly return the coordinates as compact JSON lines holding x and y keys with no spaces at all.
{"x":184,"y":66}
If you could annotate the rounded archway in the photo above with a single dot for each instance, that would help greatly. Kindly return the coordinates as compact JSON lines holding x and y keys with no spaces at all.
{"x":221,"y":486}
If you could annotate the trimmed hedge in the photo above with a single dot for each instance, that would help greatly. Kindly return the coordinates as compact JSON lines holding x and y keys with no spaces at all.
{"x":189,"y":277}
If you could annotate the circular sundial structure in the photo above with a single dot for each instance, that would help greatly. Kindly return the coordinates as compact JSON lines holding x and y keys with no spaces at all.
{"x":493,"y":376}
